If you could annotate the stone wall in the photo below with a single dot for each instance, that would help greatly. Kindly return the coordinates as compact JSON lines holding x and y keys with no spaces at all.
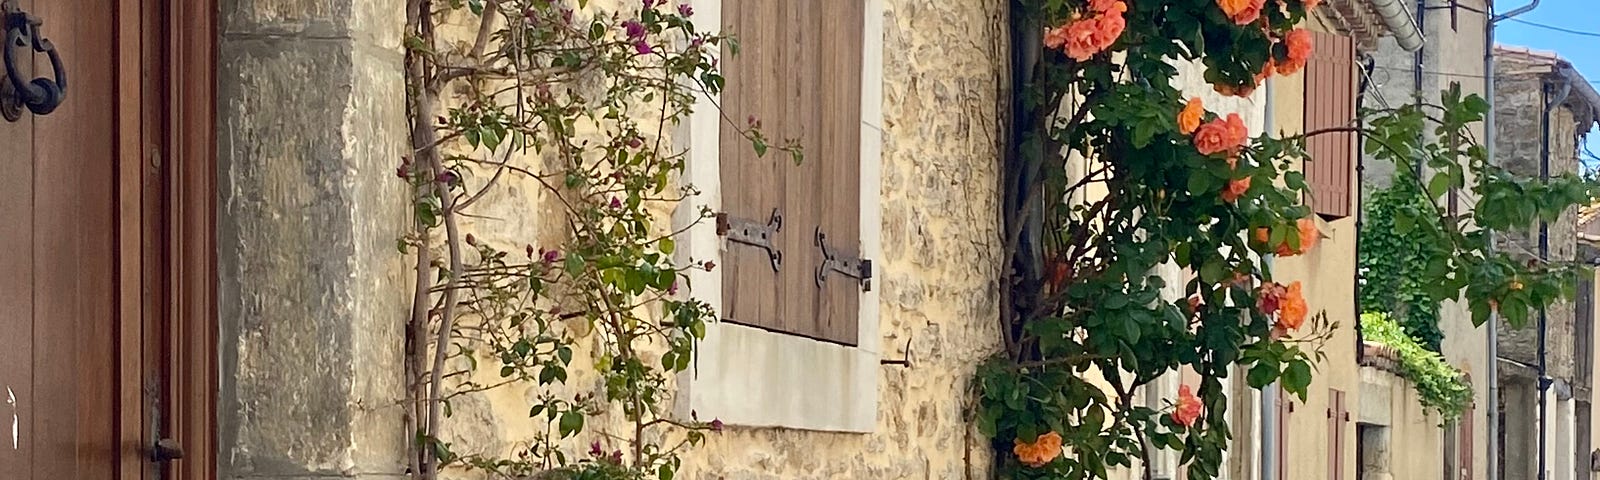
{"x":1519,"y":111}
{"x":312,"y":297}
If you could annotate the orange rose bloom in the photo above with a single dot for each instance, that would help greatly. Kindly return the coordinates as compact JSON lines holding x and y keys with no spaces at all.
{"x":1242,"y":12}
{"x":1214,"y":137}
{"x":1266,"y":71}
{"x":1189,"y":117}
{"x":1056,"y":37}
{"x":1043,"y":450}
{"x":1107,"y":27}
{"x":1307,"y":228}
{"x":1187,"y":409}
{"x":1236,"y":189}
{"x":1293,"y":312}
{"x":1298,"y":42}
{"x":1080,"y":39}
{"x":1104,"y":6}
{"x":1310,"y":4}
{"x":1269,"y":298}
{"x":1238,"y":133}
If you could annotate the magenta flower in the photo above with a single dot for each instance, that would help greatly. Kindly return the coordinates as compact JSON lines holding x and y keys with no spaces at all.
{"x":634,"y":29}
{"x":716,"y":425}
{"x":595,"y":450}
{"x":685,"y":10}
{"x":616,"y":203}
{"x":673,"y":289}
{"x":643,"y":47}
{"x":550,"y":256}
{"x":649,"y":4}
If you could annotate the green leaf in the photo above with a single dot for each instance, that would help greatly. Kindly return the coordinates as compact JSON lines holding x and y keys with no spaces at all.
{"x":1262,"y":374}
{"x":571,"y":423}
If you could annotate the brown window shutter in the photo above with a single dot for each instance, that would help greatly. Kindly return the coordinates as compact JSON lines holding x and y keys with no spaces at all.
{"x":1285,"y":417}
{"x":1337,"y":416}
{"x":1330,"y":102}
{"x":799,"y":72}
{"x":1464,"y":436}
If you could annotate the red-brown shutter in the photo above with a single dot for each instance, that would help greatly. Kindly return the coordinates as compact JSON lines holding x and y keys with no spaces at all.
{"x":1330,"y":101}
{"x":1285,"y":415}
{"x":798,"y":71}
{"x":1337,"y":416}
{"x":1464,"y":438}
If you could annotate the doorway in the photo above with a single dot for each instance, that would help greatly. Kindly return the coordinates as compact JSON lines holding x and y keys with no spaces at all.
{"x":106,"y":270}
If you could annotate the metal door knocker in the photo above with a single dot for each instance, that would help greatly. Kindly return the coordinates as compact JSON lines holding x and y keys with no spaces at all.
{"x":40,"y":95}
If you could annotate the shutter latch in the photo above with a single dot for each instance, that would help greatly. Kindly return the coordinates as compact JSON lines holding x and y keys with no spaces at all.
{"x":834,"y":261}
{"x":754,"y":233}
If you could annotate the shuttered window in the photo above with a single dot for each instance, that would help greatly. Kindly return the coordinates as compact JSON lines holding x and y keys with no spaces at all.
{"x":1338,"y":415}
{"x":792,"y":230}
{"x":1285,"y":420}
{"x":1330,"y":91}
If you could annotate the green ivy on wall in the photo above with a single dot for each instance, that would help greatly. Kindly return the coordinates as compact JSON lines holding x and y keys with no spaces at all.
{"x":1393,"y":261}
{"x":1442,"y":388}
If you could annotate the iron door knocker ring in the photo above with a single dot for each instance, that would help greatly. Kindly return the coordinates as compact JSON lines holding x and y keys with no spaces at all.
{"x":40,"y":95}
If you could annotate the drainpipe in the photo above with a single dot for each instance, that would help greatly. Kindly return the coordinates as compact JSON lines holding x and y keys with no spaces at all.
{"x":1491,"y":344}
{"x":1361,"y":100}
{"x":1392,"y":13}
{"x":1269,"y":407}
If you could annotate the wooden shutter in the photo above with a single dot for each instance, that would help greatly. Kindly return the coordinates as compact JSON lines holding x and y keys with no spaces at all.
{"x":1285,"y":417}
{"x":1337,"y":416}
{"x":798,"y":71}
{"x":1464,"y":439}
{"x":1330,"y":101}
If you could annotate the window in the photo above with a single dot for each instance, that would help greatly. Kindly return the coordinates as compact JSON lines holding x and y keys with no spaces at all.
{"x":1330,"y":98}
{"x":798,"y":72}
{"x":798,"y":344}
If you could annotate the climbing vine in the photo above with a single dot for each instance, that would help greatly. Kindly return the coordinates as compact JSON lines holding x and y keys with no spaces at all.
{"x":1440,"y":387}
{"x":1113,"y":174}
{"x":556,"y":113}
{"x":1393,"y":262}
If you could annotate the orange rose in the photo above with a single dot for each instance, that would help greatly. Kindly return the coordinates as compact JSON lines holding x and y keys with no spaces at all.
{"x":1236,"y":189}
{"x":1310,"y":4}
{"x":1298,"y":43}
{"x":1187,"y":409}
{"x":1242,"y":12}
{"x":1107,"y":27}
{"x":1238,"y":133}
{"x":1108,"y":6}
{"x":1307,"y":228}
{"x":1041,"y":451}
{"x":1056,"y":37}
{"x":1293,"y":312}
{"x":1213,"y":137}
{"x":1189,"y":117}
{"x":1080,"y":39}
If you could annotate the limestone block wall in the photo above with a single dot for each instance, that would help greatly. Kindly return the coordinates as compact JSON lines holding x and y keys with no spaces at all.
{"x":1519,"y":110}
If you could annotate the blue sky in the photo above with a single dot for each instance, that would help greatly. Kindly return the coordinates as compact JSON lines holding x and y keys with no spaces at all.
{"x":1583,"y":50}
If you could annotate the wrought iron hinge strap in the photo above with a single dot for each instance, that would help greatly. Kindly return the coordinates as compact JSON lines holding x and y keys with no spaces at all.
{"x":754,"y":233}
{"x":835,"y":261}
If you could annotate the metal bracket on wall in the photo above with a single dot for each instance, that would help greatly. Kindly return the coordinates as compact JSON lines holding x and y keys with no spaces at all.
{"x":754,"y":233}
{"x":834,"y":261}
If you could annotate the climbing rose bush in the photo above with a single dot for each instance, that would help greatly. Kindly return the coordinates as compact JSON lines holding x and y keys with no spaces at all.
{"x":1113,"y":174}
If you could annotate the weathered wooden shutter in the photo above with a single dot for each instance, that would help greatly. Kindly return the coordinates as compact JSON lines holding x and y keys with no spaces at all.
{"x":1285,"y":420}
{"x":798,"y":72}
{"x":1464,"y":439}
{"x":1330,"y":98}
{"x":1337,"y":416}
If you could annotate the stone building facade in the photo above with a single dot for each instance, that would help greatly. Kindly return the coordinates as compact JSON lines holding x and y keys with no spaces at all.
{"x":1543,"y":108}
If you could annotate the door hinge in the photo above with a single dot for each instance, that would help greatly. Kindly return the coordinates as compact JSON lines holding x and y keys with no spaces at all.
{"x":754,"y":233}
{"x":835,"y":261}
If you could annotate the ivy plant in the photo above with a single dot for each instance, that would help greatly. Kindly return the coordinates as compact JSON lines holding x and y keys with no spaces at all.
{"x":1441,"y":388}
{"x":1393,"y":262}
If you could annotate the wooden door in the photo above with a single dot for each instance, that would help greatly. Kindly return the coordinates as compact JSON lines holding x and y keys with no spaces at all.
{"x":92,"y":368}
